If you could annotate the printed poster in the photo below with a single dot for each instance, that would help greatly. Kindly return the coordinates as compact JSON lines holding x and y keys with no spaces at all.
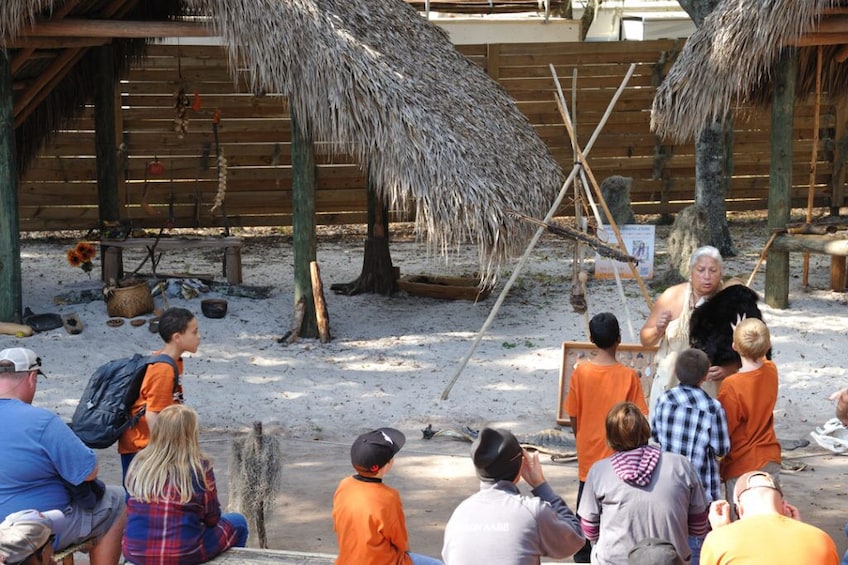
{"x":639,"y":240}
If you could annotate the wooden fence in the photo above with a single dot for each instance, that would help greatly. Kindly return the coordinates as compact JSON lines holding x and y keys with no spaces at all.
{"x":59,"y":190}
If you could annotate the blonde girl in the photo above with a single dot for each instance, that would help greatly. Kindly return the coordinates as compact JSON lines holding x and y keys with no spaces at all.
{"x":173,"y":513}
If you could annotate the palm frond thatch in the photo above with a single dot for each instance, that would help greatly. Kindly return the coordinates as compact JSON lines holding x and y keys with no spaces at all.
{"x":729,"y":61}
{"x":381,"y":82}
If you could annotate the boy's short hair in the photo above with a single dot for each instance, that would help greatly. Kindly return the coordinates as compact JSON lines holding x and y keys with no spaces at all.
{"x":174,"y":321}
{"x":627,"y":428}
{"x":604,"y":330}
{"x":691,"y":366}
{"x":751,"y":338}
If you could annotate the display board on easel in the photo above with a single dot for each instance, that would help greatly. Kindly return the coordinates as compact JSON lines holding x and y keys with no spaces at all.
{"x":638,"y":357}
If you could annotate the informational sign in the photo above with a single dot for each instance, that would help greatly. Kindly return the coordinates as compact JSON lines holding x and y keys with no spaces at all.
{"x":639,"y":240}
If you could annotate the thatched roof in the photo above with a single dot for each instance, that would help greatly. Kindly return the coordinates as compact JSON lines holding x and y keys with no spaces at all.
{"x":730,"y":59}
{"x":387,"y":86}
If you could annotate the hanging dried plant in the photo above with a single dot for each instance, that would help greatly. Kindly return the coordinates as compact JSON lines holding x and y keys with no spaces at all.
{"x":181,"y":105}
{"x":222,"y":181}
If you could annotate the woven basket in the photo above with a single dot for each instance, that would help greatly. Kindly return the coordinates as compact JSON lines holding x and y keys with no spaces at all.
{"x":130,"y":301}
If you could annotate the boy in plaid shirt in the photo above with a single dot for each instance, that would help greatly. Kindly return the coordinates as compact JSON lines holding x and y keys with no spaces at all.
{"x":689,"y":422}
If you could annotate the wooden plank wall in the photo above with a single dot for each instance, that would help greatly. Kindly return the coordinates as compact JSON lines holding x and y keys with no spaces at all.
{"x":59,"y":189}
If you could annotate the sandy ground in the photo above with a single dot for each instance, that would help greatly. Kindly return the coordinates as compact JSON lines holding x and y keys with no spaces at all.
{"x":391,"y":358}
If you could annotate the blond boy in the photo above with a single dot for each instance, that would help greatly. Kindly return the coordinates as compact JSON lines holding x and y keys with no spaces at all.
{"x":748,"y":398}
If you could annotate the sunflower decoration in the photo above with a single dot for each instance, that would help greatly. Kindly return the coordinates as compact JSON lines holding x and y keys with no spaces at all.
{"x":81,"y":255}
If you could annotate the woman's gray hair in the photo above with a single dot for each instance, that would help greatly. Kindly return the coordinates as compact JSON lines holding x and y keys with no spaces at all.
{"x":705,"y":251}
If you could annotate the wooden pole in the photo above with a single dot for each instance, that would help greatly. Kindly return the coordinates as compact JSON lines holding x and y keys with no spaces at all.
{"x":321,"y":316}
{"x":105,"y":139}
{"x":814,"y":158}
{"x":762,"y":257}
{"x":599,"y":196}
{"x":11,"y":297}
{"x":303,"y":223}
{"x":780,"y":176}
{"x":535,"y":239}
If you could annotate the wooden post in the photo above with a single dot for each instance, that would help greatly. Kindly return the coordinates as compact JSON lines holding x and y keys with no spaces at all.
{"x":780,"y":176}
{"x":322,"y":318}
{"x":11,"y":299}
{"x":303,"y":222}
{"x":493,"y":61}
{"x":105,"y":141}
{"x":813,"y":158}
{"x":840,"y":156}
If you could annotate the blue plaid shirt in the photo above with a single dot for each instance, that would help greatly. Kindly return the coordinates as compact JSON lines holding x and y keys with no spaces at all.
{"x":687,"y":421}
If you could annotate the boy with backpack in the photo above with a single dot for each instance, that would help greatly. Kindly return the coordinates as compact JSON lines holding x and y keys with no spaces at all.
{"x":159,"y":388}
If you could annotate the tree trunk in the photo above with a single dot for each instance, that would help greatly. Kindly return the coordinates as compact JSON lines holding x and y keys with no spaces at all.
{"x":303,"y":224}
{"x":378,"y":273}
{"x":713,"y":170}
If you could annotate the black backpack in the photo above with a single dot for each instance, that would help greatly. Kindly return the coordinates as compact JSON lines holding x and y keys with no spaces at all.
{"x":103,"y":413}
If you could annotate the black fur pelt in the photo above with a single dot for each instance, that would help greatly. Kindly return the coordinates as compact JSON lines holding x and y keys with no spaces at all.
{"x":710,"y":326}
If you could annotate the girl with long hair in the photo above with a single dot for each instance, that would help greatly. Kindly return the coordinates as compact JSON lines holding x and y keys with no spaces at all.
{"x":173,"y":513}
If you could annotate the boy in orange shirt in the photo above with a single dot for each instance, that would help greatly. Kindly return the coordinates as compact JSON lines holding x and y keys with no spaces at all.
{"x":748,"y":398}
{"x":596,"y":386}
{"x":178,"y":329}
{"x":368,"y":515}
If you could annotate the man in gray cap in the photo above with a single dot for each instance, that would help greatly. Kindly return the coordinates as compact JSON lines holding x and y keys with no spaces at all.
{"x":26,"y":536}
{"x":42,"y":462}
{"x":500,"y":525}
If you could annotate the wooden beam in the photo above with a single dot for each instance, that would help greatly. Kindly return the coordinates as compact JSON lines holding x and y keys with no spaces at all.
{"x":34,"y":43}
{"x":122,"y":29}
{"x":38,"y":92}
{"x":45,"y":82}
{"x":821,"y":244}
{"x":11,"y":299}
{"x":816,"y":38}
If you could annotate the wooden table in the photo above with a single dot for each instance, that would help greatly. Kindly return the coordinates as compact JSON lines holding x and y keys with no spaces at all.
{"x":113,"y":263}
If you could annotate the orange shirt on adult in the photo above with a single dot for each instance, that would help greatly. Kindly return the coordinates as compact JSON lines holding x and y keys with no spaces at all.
{"x":768,"y":539}
{"x":593,"y":391}
{"x":748,"y":400}
{"x":157,"y":393}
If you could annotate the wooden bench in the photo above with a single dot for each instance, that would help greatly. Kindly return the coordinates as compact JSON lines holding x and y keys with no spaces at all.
{"x":245,"y":556}
{"x":113,"y":262}
{"x":66,"y":556}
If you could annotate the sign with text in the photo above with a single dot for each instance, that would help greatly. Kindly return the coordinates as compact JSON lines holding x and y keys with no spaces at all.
{"x":639,"y":240}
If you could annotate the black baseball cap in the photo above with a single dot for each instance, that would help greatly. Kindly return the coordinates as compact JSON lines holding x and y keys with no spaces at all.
{"x":372,"y":450}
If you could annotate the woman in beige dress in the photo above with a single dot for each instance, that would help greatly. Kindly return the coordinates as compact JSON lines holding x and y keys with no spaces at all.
{"x":668,"y":323}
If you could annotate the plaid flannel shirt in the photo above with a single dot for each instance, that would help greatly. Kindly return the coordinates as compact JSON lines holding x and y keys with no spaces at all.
{"x":170,"y":532}
{"x":687,"y":421}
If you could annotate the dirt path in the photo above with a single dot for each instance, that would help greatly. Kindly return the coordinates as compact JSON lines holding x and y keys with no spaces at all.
{"x":434,"y":476}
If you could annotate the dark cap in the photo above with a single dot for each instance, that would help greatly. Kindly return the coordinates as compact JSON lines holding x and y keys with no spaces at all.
{"x":753,"y":479}
{"x":373,"y":450}
{"x":654,"y":551}
{"x":19,"y":360}
{"x":497,"y":455}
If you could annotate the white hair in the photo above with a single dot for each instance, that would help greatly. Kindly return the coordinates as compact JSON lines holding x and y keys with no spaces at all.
{"x":705,"y":251}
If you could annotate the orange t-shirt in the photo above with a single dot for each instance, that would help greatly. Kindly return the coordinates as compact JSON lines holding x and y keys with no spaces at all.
{"x":157,"y":393}
{"x":369,"y":524}
{"x":748,"y":400}
{"x":593,"y":391}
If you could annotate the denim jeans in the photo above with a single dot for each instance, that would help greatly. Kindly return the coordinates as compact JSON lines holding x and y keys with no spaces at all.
{"x":239,"y":523}
{"x":418,"y":559}
{"x":695,"y":544}
{"x":845,"y":557}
